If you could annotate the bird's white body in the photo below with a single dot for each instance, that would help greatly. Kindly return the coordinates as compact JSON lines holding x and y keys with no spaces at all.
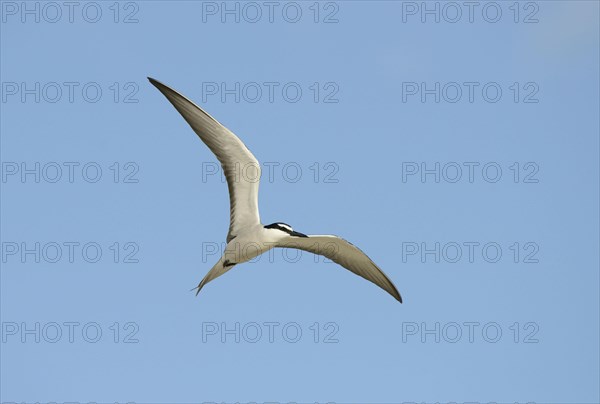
{"x":248,"y":237}
{"x":249,"y":243}
{"x":252,"y":242}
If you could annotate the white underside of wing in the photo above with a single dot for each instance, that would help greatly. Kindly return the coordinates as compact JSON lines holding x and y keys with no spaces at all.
{"x":347,"y":255}
{"x":240,"y":167}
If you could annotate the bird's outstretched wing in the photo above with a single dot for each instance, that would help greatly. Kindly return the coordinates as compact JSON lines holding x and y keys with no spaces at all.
{"x":347,"y":255}
{"x":240,"y":167}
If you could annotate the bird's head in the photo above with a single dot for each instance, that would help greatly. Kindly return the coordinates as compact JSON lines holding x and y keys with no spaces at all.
{"x":286,"y":228}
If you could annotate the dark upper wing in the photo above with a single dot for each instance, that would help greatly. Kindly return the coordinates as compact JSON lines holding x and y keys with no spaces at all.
{"x":347,"y":255}
{"x":241,"y":168}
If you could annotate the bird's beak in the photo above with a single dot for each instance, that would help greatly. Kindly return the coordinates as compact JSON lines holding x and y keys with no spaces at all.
{"x":297,"y":234}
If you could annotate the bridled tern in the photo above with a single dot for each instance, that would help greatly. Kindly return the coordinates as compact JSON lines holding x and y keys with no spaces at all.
{"x":248,"y":237}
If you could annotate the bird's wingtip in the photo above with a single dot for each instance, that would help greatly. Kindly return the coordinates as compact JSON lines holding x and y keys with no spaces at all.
{"x":397,"y":295}
{"x":155,"y":82}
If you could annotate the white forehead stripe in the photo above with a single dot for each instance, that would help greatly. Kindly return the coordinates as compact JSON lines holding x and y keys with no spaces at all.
{"x":285,"y":226}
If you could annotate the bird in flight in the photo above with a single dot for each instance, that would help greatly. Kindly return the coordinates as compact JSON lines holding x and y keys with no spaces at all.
{"x":248,"y":237}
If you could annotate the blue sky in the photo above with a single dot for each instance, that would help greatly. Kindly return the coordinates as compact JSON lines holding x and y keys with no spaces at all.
{"x":112,"y":209}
